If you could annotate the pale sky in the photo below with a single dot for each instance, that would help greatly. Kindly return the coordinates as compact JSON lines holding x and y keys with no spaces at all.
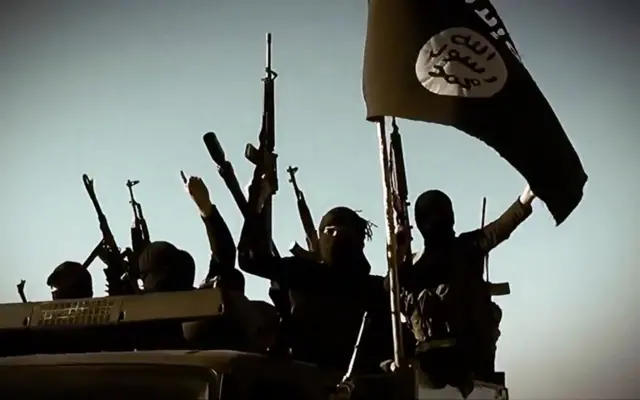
{"x":125,"y":90}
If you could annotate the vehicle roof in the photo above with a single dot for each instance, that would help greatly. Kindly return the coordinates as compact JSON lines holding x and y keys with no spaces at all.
{"x":206,"y":358}
{"x":220,"y":360}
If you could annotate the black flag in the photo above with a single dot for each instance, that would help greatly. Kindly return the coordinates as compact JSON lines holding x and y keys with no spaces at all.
{"x":452,"y":62}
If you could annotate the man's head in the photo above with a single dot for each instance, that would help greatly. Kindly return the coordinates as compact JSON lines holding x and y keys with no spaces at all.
{"x":434,"y":216}
{"x":342,"y":234}
{"x":70,"y":280}
{"x":165,"y":268}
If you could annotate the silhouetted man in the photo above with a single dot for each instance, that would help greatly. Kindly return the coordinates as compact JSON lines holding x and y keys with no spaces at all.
{"x":70,"y":280}
{"x":449,"y":299}
{"x":328,"y":297}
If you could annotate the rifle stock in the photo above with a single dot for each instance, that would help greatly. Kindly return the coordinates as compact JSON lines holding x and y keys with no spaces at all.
{"x":94,"y":254}
{"x":225,"y":170}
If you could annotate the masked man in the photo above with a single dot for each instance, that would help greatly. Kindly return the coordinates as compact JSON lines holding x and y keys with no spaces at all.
{"x":328,"y":297}
{"x":448,"y":297}
{"x":70,"y":280}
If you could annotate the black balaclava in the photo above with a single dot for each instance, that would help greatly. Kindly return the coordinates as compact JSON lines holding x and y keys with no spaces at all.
{"x":70,"y":280}
{"x":165,"y":268}
{"x":434,"y":217}
{"x":342,"y":234}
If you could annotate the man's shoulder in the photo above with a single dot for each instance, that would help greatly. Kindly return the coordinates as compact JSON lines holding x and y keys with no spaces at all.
{"x":468,"y":235}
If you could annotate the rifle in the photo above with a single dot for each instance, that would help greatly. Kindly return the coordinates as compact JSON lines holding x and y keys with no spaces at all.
{"x":399,"y":187}
{"x":397,"y":214}
{"x":117,"y":267}
{"x":139,"y":230}
{"x":228,"y":175}
{"x":263,"y":186}
{"x":305,"y":217}
{"x":20,"y":287}
{"x":264,"y":183}
{"x":95,"y":253}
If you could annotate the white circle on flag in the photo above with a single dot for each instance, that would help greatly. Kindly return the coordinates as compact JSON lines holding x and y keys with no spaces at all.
{"x":461,"y":62}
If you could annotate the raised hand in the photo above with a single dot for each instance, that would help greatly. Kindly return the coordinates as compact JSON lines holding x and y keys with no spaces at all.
{"x":198,"y":192}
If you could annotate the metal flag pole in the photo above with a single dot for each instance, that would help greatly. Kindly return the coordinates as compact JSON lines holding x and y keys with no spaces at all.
{"x":392,"y":260}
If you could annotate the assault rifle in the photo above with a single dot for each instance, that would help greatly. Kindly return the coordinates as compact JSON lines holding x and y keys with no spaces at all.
{"x":139,"y":231}
{"x":109,"y":251}
{"x":399,"y":188}
{"x":264,"y":183}
{"x":263,"y":186}
{"x":305,"y":217}
{"x":228,"y":175}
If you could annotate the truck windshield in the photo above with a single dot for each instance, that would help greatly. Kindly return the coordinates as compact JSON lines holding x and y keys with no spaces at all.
{"x":112,"y":382}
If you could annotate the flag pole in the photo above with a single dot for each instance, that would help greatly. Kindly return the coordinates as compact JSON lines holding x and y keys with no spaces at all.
{"x":392,"y":260}
{"x":482,"y":224}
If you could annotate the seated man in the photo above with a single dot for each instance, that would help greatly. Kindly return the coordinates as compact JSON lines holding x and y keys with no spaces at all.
{"x":328,"y":297}
{"x":70,"y":280}
{"x":448,"y":297}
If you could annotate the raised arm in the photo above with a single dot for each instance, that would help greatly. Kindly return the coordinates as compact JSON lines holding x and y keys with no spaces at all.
{"x":255,"y":258}
{"x":221,"y":243}
{"x":489,"y":237}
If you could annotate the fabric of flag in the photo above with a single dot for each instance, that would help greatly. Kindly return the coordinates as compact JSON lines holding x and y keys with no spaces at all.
{"x":452,"y":62}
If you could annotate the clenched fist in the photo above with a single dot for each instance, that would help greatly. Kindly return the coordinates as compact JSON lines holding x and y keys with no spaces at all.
{"x":199,"y":193}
